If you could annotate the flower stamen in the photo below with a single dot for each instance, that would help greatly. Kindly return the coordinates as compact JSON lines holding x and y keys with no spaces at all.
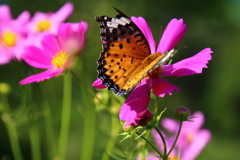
{"x":9,"y":38}
{"x":60,"y":59}
{"x":43,"y":25}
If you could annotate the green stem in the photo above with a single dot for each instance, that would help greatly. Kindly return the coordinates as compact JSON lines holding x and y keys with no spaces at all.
{"x":66,"y":114}
{"x":144,"y":148}
{"x":49,"y":129}
{"x":34,"y":140}
{"x":163,"y":140}
{"x":11,"y":128}
{"x":13,"y":136}
{"x":89,"y":119}
{"x":175,"y":141}
{"x":114,"y":131}
{"x":150,"y":144}
{"x":50,"y":139}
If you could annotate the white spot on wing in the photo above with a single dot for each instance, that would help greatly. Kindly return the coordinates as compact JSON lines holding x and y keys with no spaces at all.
{"x":112,"y":24}
{"x":119,"y":21}
{"x":126,"y":20}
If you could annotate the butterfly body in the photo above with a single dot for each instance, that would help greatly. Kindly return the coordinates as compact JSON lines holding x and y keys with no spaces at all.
{"x":126,"y":58}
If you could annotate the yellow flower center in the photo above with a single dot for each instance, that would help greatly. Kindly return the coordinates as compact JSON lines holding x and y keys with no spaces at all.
{"x":9,"y":38}
{"x":43,"y":25}
{"x":174,"y":158}
{"x":60,"y":59}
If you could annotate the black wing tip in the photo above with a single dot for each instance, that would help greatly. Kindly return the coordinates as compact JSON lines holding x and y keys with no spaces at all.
{"x":113,"y":87}
{"x":116,"y":9}
{"x":120,"y":13}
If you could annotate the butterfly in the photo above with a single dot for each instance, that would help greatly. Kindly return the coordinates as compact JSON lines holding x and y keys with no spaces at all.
{"x":126,"y":57}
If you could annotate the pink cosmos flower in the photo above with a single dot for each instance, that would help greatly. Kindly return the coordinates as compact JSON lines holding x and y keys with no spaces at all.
{"x":56,"y":53}
{"x":45,"y":23}
{"x":13,"y":34}
{"x":140,"y":96}
{"x":191,"y":141}
{"x":49,"y":22}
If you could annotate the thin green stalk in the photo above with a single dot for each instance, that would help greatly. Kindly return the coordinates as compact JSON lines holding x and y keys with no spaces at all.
{"x":144,"y":149}
{"x":11,"y":128}
{"x":163,"y":140}
{"x":89,"y":120}
{"x":13,"y":136}
{"x":114,"y":131}
{"x":35,"y":141}
{"x":175,"y":141}
{"x":51,"y":149}
{"x":66,"y":113}
{"x":150,"y":144}
{"x":49,"y":130}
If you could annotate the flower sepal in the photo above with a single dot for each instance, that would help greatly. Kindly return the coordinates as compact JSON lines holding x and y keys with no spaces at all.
{"x":130,"y":130}
{"x":158,"y":117}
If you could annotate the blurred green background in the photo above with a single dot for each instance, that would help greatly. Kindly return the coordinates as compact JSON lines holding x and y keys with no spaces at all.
{"x":215,"y":92}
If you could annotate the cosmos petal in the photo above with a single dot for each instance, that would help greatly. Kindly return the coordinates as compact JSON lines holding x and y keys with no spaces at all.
{"x":72,"y":36}
{"x":198,"y":119}
{"x":82,"y":29}
{"x":65,"y":32}
{"x":5,"y":15}
{"x":189,"y":66}
{"x":37,"y":58}
{"x":63,"y":13}
{"x":41,"y":76}
{"x":50,"y":44}
{"x":98,"y":84}
{"x":23,"y":18}
{"x":161,"y":87}
{"x":143,"y":26}
{"x":200,"y":140}
{"x":136,"y":102}
{"x":172,"y":35}
{"x":5,"y":56}
{"x":170,"y":124}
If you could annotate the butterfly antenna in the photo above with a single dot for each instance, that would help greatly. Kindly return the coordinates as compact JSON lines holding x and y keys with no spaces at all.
{"x":161,"y":31}
{"x":182,"y":47}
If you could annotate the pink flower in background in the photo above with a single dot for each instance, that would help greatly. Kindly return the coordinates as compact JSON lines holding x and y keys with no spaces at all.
{"x":140,"y":96}
{"x":49,"y":22}
{"x":191,"y":141}
{"x":56,"y":53}
{"x":45,"y":23}
{"x":13,"y":34}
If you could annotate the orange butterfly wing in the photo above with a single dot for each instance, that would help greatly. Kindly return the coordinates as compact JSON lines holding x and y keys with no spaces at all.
{"x":126,"y":57}
{"x":124,"y":48}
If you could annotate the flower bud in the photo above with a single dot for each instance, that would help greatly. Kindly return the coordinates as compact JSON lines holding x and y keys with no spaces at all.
{"x":183,"y":113}
{"x":128,"y":127}
{"x":143,"y":118}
